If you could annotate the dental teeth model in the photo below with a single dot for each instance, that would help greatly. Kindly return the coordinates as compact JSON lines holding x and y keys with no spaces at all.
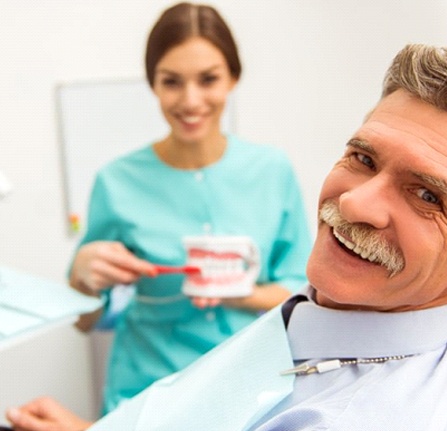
{"x":215,"y":265}
{"x":228,"y":267}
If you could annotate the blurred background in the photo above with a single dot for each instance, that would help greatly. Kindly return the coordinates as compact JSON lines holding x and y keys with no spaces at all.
{"x":312,"y":69}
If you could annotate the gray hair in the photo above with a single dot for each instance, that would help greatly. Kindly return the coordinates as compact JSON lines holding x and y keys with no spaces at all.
{"x":420,"y":70}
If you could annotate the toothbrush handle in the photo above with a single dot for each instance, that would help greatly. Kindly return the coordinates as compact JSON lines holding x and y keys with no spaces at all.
{"x":163,"y":269}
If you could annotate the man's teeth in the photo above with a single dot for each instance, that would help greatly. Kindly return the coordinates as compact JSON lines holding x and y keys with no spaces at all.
{"x":355,"y":248}
{"x":344,"y":241}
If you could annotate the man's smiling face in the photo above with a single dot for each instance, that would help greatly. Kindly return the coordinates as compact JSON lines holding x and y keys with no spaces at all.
{"x":382,"y":232}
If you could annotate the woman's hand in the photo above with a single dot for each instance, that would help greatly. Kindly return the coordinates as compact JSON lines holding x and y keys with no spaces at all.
{"x":101,"y":264}
{"x":45,"y":414}
{"x":202,"y":302}
{"x":263,"y":298}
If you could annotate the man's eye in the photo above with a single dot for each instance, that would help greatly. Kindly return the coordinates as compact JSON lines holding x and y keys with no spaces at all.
{"x":428,"y":196}
{"x":365,"y":160}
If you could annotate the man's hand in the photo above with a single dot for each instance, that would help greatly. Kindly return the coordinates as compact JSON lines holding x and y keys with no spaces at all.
{"x":45,"y":414}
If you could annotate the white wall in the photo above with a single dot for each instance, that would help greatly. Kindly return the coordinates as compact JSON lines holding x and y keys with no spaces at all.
{"x":312,"y":70}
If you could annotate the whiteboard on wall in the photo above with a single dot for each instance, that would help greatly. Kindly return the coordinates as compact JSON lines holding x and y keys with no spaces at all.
{"x":99,"y":121}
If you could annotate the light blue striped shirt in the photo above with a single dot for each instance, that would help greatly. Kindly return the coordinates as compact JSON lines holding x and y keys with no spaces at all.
{"x":407,"y":394}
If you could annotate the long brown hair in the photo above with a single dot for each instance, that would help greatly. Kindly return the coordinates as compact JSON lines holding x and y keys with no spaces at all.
{"x":186,"y":20}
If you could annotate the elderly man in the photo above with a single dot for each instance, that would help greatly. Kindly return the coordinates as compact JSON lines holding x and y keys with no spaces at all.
{"x":364,"y":348}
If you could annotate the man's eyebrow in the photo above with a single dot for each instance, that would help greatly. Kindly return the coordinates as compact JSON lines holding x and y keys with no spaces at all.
{"x":361,"y":145}
{"x":437,"y":182}
{"x":430,"y":180}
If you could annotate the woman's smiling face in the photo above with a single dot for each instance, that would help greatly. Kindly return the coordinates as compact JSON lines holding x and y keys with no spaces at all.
{"x":192,"y":82}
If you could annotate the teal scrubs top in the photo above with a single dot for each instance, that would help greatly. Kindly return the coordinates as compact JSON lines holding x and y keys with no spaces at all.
{"x":149,"y":206}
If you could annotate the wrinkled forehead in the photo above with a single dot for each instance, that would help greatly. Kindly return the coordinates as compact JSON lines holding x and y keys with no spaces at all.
{"x":402,"y":119}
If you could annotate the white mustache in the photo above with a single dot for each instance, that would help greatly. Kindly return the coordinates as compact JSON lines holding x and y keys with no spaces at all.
{"x":365,"y":238}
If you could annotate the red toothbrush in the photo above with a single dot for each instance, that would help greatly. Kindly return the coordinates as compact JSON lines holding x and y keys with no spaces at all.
{"x":187,"y":269}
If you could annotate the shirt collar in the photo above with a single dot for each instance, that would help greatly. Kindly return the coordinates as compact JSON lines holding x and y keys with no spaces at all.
{"x":320,"y":332}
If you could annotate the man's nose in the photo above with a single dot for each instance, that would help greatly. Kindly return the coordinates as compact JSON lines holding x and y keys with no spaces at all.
{"x":369,"y":202}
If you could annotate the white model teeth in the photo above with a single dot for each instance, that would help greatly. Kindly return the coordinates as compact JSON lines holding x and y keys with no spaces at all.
{"x":217,"y":267}
{"x":355,"y":248}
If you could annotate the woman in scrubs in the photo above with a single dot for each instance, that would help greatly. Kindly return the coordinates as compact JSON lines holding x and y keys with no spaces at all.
{"x":194,"y":181}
